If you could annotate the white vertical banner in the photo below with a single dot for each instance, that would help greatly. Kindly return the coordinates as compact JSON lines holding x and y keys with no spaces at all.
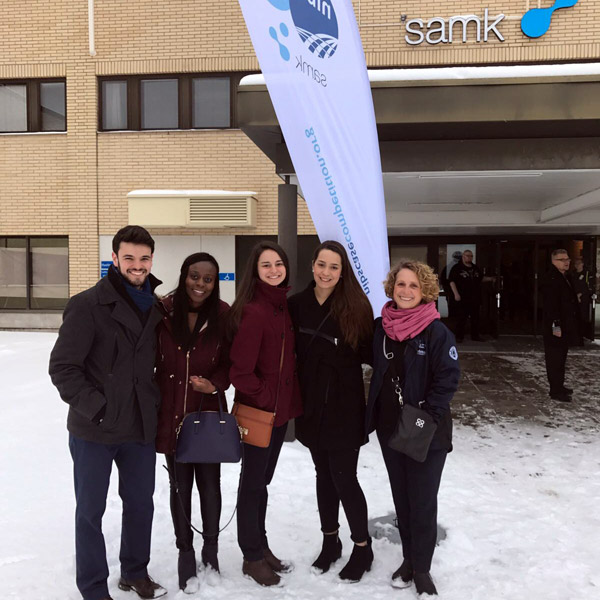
{"x":314,"y":67}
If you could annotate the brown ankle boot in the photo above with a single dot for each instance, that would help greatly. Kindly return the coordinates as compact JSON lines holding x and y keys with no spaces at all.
{"x":261,"y":572}
{"x":279,"y":566}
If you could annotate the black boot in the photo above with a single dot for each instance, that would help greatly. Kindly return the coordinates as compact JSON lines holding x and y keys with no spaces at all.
{"x":186,"y":567}
{"x":209,"y":553}
{"x":360,"y":561}
{"x":403,"y":575}
{"x":424,"y":584}
{"x":330,"y":552}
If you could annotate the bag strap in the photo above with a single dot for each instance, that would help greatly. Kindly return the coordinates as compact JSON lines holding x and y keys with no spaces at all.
{"x":173,"y":479}
{"x":317,"y":332}
{"x":394,"y":372}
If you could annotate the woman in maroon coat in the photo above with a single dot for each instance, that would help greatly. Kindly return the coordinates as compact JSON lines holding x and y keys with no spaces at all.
{"x":192,"y":369}
{"x":263,"y":374}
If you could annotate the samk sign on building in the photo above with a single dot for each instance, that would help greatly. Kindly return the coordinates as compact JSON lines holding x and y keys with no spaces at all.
{"x":534,"y":24}
{"x":439,"y":30}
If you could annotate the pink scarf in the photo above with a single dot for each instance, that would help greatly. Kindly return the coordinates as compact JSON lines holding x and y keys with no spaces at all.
{"x":405,"y":323}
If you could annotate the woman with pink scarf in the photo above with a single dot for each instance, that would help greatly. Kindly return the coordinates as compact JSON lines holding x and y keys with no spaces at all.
{"x":413,"y":347}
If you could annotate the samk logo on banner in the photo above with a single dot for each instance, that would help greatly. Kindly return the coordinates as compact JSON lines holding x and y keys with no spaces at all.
{"x":316,"y":24}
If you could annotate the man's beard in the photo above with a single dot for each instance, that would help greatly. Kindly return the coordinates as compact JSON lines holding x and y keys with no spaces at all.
{"x":135,"y":281}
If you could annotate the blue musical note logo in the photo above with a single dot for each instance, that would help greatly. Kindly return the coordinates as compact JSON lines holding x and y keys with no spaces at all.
{"x":536,"y":22}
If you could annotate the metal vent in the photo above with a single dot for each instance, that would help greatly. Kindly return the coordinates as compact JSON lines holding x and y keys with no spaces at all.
{"x":225,"y":211}
{"x":192,"y":208}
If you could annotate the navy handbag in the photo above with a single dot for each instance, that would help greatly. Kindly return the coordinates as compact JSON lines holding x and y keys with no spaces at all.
{"x":209,"y":437}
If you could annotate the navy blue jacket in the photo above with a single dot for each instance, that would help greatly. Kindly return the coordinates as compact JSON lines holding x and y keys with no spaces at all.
{"x":432,"y":374}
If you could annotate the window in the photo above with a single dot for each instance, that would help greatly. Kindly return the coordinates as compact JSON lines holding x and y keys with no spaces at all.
{"x":13,"y":108}
{"x":114,"y":107}
{"x":52,"y":104}
{"x":173,"y":101}
{"x":160,"y":105}
{"x":34,"y":272}
{"x":32,"y":105}
{"x":211,"y":99}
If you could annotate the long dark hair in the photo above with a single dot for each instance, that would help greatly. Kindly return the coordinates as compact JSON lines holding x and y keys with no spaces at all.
{"x":350,"y":306}
{"x":245,"y":291}
{"x":181,"y":305}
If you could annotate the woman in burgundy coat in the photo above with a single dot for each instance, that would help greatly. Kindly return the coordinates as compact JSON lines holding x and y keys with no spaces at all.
{"x":192,"y":369}
{"x":263,"y":374}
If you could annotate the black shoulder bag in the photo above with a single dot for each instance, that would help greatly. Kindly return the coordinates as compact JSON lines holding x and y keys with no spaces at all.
{"x":415,"y":427}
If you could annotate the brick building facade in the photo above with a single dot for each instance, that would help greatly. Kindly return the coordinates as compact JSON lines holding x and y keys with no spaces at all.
{"x":73,"y":183}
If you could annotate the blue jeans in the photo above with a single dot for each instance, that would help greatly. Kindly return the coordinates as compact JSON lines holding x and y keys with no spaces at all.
{"x":92,"y":464}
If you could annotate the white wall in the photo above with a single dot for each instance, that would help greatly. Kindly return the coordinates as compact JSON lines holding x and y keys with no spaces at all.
{"x":171,"y":251}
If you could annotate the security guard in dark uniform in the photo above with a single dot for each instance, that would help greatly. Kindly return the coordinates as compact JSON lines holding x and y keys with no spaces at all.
{"x":465,"y":281}
{"x":561,"y":323}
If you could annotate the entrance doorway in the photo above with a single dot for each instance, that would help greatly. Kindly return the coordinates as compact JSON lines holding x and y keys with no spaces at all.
{"x":513,"y":269}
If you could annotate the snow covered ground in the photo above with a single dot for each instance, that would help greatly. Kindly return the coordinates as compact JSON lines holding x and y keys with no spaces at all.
{"x":520,"y":505}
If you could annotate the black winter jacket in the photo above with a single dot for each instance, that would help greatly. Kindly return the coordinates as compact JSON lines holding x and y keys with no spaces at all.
{"x":431,"y":372}
{"x":560,"y":304}
{"x":104,"y":357}
{"x":331,"y":378}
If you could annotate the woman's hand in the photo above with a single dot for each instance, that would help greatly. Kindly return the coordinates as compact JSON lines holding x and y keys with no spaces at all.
{"x":200,"y":384}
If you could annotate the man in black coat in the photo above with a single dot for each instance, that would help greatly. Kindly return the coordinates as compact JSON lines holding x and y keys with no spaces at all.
{"x":103,"y":366}
{"x":465,"y":282}
{"x":561,"y":323}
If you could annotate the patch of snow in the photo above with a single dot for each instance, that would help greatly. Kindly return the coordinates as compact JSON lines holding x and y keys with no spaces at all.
{"x":519,"y":504}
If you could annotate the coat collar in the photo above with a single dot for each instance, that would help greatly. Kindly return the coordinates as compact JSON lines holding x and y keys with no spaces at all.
{"x":276,"y":296}
{"x":122,"y":312}
{"x":309,"y":294}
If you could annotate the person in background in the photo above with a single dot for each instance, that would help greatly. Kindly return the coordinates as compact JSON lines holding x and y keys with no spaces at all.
{"x":581,"y":278}
{"x":263,"y":371}
{"x":192,"y":371}
{"x":103,"y":367}
{"x":560,"y":323}
{"x":413,"y":347}
{"x":465,"y":282}
{"x":334,"y":329}
{"x":445,"y":282}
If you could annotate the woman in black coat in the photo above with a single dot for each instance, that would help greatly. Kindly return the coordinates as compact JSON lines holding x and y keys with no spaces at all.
{"x":412,"y":346}
{"x":333,"y":322}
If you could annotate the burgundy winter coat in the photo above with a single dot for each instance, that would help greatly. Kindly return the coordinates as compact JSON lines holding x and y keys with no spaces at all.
{"x":207,"y":358}
{"x":256,"y":354}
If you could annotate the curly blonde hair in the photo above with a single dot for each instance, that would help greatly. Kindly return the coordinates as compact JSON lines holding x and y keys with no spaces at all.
{"x":430,"y":288}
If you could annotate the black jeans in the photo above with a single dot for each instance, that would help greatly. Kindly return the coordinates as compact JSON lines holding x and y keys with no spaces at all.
{"x":337,"y":482}
{"x":92,"y":464}
{"x":467,"y":309}
{"x":415,"y":487}
{"x":555,"y":353}
{"x":258,"y":467}
{"x":208,"y":482}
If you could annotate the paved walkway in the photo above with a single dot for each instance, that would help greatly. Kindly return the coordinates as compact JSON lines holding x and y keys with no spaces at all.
{"x":505,"y":380}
